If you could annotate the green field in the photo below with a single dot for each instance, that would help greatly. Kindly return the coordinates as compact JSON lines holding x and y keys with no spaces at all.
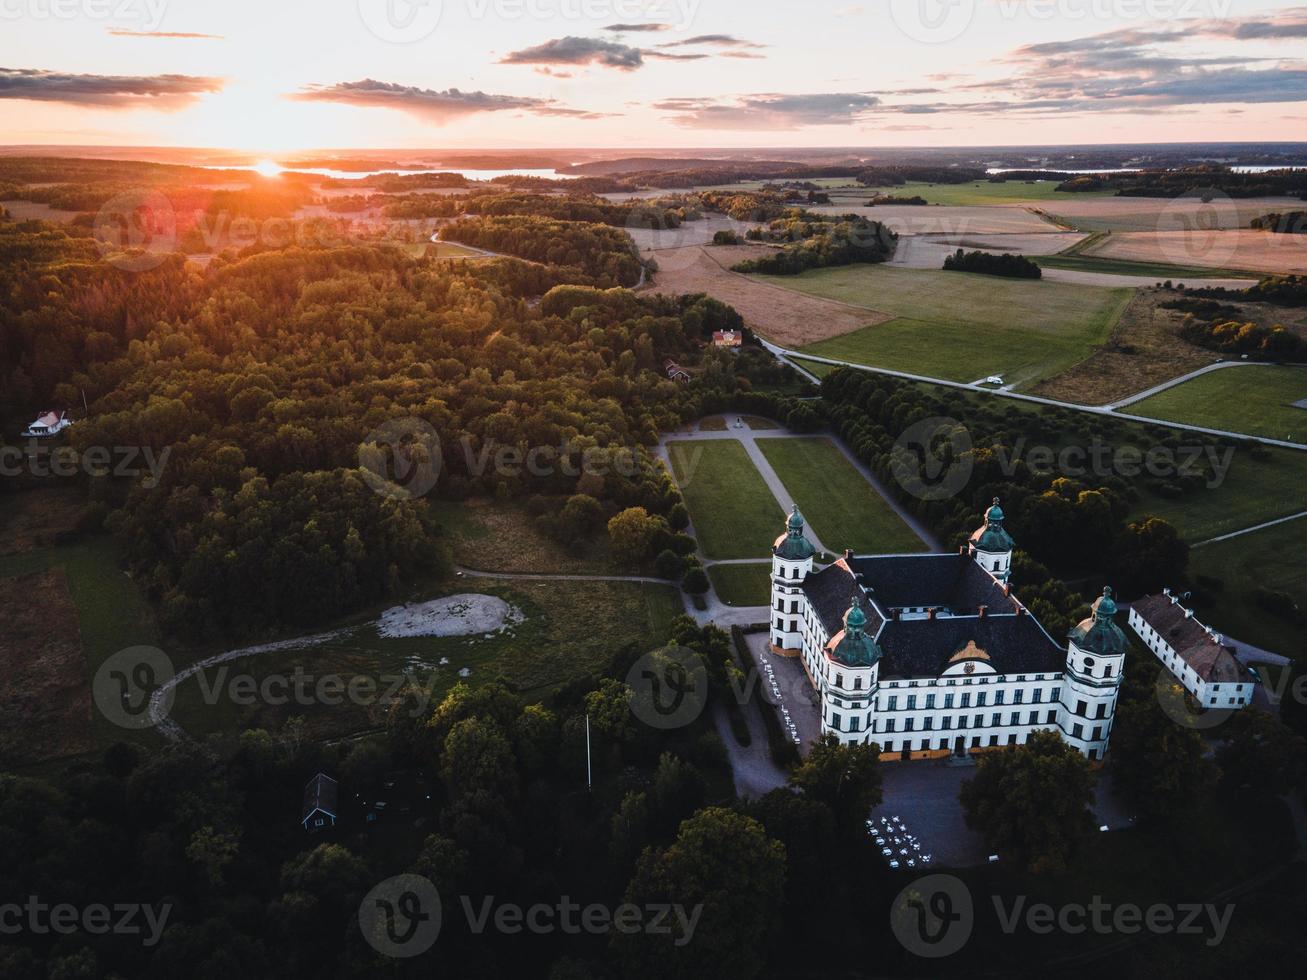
{"x":961,"y":326}
{"x":742,"y":585}
{"x":1257,"y":400}
{"x":1125,"y":267}
{"x":1270,"y":558}
{"x":734,"y":513}
{"x":981,"y":192}
{"x":842,"y":508}
{"x":490,"y":536}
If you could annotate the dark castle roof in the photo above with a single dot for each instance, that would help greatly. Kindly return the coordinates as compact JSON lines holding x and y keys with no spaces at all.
{"x":953,"y":582}
{"x":829,"y":592}
{"x":1010,"y":644}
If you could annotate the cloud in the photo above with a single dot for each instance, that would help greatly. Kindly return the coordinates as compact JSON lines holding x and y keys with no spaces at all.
{"x":186,"y":35}
{"x":637,"y":28}
{"x":770,"y":111}
{"x":429,"y":104}
{"x":163,"y":92}
{"x":578,"y":51}
{"x":716,"y":40}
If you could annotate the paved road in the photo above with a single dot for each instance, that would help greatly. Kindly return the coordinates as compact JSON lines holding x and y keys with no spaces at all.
{"x":1250,"y":530}
{"x":787,"y":355}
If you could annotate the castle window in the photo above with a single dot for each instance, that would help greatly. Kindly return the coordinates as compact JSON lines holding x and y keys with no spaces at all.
{"x":980,"y":699}
{"x":891,"y":703}
{"x":998,"y":696}
{"x":1051,"y":716}
{"x":948,"y":700}
{"x":857,"y":683}
{"x":1038,"y":696}
{"x":996,"y":720}
{"x":966,"y":700}
{"x":1018,"y":696}
{"x":835,"y":720}
{"x":912,"y":702}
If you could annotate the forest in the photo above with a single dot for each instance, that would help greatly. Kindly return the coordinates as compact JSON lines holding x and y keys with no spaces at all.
{"x":1006,"y":264}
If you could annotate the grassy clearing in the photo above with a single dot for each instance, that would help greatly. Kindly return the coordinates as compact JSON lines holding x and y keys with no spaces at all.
{"x":570,"y":628}
{"x":843,"y":509}
{"x":742,"y":585}
{"x":1271,"y":559}
{"x":960,"y":326}
{"x":449,"y":250}
{"x":494,"y":537}
{"x":715,"y":424}
{"x":735,"y":514}
{"x":1257,"y":400}
{"x":760,"y":424}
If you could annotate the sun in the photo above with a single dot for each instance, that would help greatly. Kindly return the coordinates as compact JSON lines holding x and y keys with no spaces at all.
{"x":268,"y":168}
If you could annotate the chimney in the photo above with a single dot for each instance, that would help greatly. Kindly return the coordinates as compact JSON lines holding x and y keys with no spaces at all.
{"x":932,"y":612}
{"x":962,"y":550}
{"x":1188,"y":614}
{"x":1007,"y":588}
{"x":1021,"y":610}
{"x":1166,"y":592}
{"x":894,"y":614}
{"x":848,"y":554}
{"x":984,"y":611}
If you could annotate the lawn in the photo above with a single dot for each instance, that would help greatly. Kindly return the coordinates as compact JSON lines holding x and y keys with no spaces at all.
{"x":570,"y":629}
{"x":735,"y":514}
{"x":1257,"y":400}
{"x":843,"y":509}
{"x":1270,"y":558}
{"x":960,"y":326}
{"x":742,"y":585}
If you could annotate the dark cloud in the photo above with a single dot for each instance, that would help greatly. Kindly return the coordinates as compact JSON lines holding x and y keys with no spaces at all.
{"x":180,"y":35}
{"x":770,"y":111}
{"x":637,"y":28}
{"x":578,"y":51}
{"x":166,"y":92}
{"x":429,"y":104}
{"x":716,"y":40}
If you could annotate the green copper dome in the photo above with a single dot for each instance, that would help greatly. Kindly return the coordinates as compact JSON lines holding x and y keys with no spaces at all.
{"x":1099,"y":633}
{"x":855,"y":648}
{"x":992,"y":538}
{"x":794,"y":545}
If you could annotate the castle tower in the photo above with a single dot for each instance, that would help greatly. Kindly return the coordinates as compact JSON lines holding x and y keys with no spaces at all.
{"x":1094,"y":661}
{"x":849,"y":686}
{"x":991,"y":546}
{"x":791,"y":562}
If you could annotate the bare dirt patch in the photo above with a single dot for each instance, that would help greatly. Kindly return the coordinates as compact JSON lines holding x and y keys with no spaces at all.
{"x":456,"y":615}
{"x":783,"y":316}
{"x":1261,"y":251}
{"x":1145,"y":350}
{"x":45,"y":697}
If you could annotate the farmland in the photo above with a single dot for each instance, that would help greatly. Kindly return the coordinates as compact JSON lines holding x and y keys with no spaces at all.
{"x":962,"y":327}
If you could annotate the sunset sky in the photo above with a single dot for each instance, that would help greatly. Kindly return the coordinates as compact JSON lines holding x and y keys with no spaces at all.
{"x":279,"y":75}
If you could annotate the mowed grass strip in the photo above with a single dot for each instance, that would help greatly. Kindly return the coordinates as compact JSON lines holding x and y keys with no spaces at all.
{"x":1257,"y":400}
{"x":742,"y":585}
{"x":844,"y":509}
{"x":962,"y":326}
{"x":734,"y":513}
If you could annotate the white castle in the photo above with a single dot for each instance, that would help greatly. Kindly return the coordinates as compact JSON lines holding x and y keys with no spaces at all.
{"x":931,"y":655}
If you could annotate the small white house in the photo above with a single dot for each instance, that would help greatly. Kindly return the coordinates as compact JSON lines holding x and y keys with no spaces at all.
{"x":48,"y":424}
{"x":1196,"y":655}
